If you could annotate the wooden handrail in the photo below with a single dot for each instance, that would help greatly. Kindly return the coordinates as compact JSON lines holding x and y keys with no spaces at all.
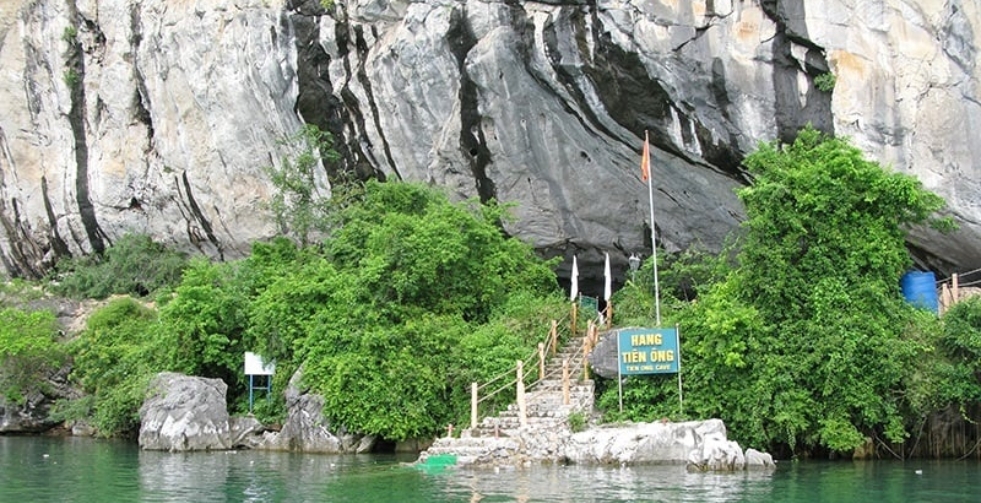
{"x":525,"y":367}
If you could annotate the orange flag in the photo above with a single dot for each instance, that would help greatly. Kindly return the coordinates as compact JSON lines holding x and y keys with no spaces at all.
{"x":645,"y":162}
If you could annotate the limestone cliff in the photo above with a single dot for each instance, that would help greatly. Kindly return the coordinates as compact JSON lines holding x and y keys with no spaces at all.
{"x":158,"y":116}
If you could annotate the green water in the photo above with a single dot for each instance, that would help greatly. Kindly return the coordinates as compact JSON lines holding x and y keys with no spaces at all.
{"x":43,"y":470}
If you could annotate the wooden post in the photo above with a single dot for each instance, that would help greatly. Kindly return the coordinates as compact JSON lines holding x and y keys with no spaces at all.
{"x":522,"y":409}
{"x":575,"y":312}
{"x":541,"y":360}
{"x":946,"y":298}
{"x":565,"y":381}
{"x":609,"y":315}
{"x":587,"y":347}
{"x":555,"y":336}
{"x":473,"y":405}
{"x":955,"y":288}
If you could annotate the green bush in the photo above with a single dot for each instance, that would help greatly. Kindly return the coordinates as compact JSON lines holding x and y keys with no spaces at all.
{"x":115,"y":357}
{"x":72,"y":78}
{"x":299,"y":208}
{"x":28,"y":351}
{"x":405,"y":278}
{"x":959,"y":346}
{"x":205,"y":323}
{"x":825,"y":82}
{"x":134,"y":265}
{"x":806,"y":342}
{"x":392,"y":308}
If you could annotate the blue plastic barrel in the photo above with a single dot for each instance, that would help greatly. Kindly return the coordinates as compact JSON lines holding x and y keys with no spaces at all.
{"x":920,"y":289}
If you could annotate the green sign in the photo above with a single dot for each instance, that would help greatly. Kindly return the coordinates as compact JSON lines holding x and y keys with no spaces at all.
{"x":648,"y":351}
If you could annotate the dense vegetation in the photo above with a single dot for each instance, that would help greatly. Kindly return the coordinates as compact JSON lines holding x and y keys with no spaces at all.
{"x":802,"y":338}
{"x":134,"y":265}
{"x":393,"y":299}
{"x":407,"y":300}
{"x":28,"y":349}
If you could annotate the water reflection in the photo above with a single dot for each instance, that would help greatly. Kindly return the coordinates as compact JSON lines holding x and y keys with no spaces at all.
{"x":567,"y":484}
{"x":42,"y":470}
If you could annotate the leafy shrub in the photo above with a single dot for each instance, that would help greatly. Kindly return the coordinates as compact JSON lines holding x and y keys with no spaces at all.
{"x":806,"y":342}
{"x":825,"y":82}
{"x":134,"y":265}
{"x":115,"y":357}
{"x":28,"y":350}
{"x":380,"y":311}
{"x":299,"y":205}
{"x":959,"y":347}
{"x":406,"y":278}
{"x":72,"y":78}
{"x":205,"y":322}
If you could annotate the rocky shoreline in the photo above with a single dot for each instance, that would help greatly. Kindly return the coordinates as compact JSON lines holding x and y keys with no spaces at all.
{"x":700,"y":445}
{"x":187,"y":413}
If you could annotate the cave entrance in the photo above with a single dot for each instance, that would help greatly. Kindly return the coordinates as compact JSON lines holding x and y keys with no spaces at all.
{"x":383,"y":446}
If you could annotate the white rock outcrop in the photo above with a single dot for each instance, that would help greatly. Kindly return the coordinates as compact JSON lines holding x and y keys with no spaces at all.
{"x":700,"y":445}
{"x":307,"y":430}
{"x":187,"y":413}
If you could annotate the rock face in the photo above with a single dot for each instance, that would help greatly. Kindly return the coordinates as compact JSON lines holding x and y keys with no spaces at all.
{"x":306,"y":429}
{"x":696,"y":443}
{"x":186,"y":413}
{"x":146,"y":116}
{"x":31,"y":415}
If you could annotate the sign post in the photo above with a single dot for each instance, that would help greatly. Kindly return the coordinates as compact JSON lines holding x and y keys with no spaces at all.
{"x":648,"y":351}
{"x":255,"y":366}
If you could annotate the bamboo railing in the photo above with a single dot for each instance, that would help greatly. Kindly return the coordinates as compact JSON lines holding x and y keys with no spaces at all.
{"x":480,"y":393}
{"x":955,"y":289}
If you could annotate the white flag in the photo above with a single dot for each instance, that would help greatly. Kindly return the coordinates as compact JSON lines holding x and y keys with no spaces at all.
{"x":575,"y":280}
{"x":609,"y":280}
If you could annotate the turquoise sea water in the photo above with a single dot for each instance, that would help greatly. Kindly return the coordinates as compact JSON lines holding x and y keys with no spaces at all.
{"x":37,"y":469}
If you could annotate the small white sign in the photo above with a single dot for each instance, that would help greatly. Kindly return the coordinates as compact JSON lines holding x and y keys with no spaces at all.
{"x":256,"y":367}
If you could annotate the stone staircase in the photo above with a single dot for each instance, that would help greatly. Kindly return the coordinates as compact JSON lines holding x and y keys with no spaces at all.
{"x":503,"y":439}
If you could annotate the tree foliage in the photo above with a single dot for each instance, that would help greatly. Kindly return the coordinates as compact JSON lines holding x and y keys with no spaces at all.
{"x":825,"y":247}
{"x":958,"y":379}
{"x":807,"y":341}
{"x":114,"y":359}
{"x":403,"y":280}
{"x":133,"y":265}
{"x":28,"y":350}
{"x":409,"y":298}
{"x":205,"y":323}
{"x":301,"y":203}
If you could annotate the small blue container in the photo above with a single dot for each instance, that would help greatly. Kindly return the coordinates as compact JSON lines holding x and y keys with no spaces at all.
{"x":920,"y":289}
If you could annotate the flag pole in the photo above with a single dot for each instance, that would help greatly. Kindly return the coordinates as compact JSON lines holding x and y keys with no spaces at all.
{"x":608,"y":292}
{"x":650,"y":194}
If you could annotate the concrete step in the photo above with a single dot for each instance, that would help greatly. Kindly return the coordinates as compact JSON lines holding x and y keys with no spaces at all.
{"x":545,"y":399}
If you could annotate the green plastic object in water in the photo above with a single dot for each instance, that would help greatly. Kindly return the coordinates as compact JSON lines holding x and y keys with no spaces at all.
{"x":436,"y":464}
{"x":441,"y":460}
